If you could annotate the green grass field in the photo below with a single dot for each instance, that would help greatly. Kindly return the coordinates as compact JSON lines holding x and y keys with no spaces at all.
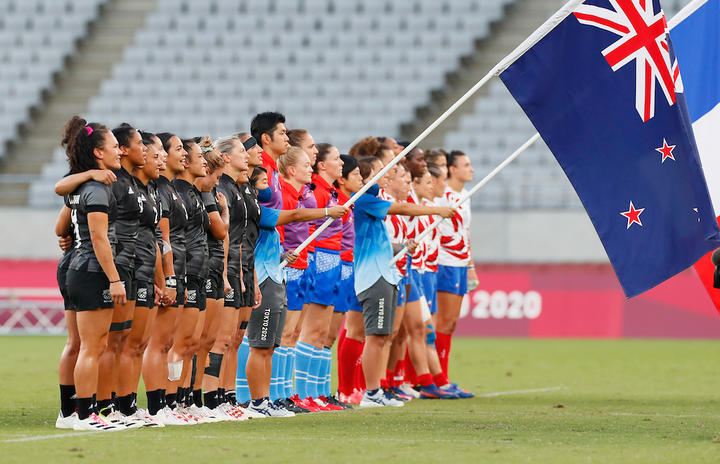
{"x":593,"y":401}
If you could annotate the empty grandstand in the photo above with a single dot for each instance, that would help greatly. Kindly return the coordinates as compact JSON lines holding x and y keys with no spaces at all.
{"x":341,"y":68}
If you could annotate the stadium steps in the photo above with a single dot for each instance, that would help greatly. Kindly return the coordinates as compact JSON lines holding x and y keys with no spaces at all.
{"x":521,"y":18}
{"x":80,"y":81}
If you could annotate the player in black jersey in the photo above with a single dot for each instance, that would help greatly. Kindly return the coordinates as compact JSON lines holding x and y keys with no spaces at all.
{"x":216,"y":207}
{"x":157,"y":370}
{"x":252,"y":295}
{"x":126,"y":228}
{"x":148,"y":275}
{"x":192,"y":315}
{"x":93,"y":282}
{"x":64,"y":230}
{"x":223,"y":379}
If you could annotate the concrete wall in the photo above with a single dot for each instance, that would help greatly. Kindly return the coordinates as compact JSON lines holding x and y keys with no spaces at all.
{"x":517,"y":237}
{"x":535,"y":237}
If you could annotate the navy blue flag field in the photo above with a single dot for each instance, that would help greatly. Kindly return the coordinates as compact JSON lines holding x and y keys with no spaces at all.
{"x":603,"y":88}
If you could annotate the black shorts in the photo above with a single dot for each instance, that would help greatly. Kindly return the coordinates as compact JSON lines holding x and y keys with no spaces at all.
{"x":145,"y":294}
{"x":180,"y":298}
{"x":127,"y":277}
{"x":214,"y":286}
{"x":88,"y":290}
{"x":62,"y":285}
{"x":248,"y":296}
{"x":266,"y":323}
{"x":234,"y":298}
{"x":196,"y":293}
{"x":379,"y":303}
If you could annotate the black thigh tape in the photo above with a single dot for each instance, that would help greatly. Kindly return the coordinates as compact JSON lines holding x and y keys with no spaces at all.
{"x":215,"y":361}
{"x":243,"y":325}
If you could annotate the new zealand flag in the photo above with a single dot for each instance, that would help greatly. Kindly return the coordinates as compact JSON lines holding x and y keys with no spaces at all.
{"x":604,"y":90}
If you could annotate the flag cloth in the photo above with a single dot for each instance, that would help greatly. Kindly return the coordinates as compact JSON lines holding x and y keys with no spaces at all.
{"x":603,"y":88}
{"x":696,"y":38}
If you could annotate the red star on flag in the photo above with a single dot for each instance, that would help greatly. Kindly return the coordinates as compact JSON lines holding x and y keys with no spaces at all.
{"x":633,"y":215}
{"x":667,"y":151}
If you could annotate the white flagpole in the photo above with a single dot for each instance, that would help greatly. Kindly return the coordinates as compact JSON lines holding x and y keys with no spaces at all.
{"x":495,"y":71}
{"x":472,"y":191}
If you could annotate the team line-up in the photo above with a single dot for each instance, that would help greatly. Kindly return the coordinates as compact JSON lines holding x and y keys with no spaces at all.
{"x":172,"y":271}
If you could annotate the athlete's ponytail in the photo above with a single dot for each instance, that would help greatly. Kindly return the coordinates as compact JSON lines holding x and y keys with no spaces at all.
{"x":79,"y":141}
{"x":213,"y":158}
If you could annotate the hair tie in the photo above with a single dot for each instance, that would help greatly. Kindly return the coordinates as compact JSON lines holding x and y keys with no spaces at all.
{"x":89,"y":130}
{"x":207,"y":149}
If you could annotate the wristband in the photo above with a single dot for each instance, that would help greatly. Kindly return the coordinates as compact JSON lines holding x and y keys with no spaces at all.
{"x":114,"y":281}
{"x":171,"y":282}
{"x":326,"y":213}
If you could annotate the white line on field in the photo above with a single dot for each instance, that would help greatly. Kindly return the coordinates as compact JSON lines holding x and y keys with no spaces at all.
{"x":45,"y":437}
{"x":519,"y":392}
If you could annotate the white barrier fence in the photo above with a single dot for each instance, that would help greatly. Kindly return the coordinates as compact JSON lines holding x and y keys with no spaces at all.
{"x":31,"y":311}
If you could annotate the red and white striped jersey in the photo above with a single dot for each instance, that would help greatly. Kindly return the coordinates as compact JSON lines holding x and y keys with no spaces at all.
{"x":416,"y":226}
{"x":432,"y":241}
{"x":397,"y":230}
{"x":454,"y":232}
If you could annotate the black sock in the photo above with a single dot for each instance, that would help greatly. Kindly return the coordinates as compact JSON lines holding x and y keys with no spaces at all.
{"x":154,"y":399}
{"x":198,"y":398}
{"x":163,"y":398}
{"x":171,"y":400}
{"x":124,"y":404}
{"x":134,"y":402}
{"x":94,"y":404}
{"x":67,"y":400}
{"x":221,"y":396}
{"x":105,"y":406}
{"x":211,"y":399}
{"x":182,"y":397}
{"x":230,"y":396}
{"x":84,"y":407}
{"x":193,"y":371}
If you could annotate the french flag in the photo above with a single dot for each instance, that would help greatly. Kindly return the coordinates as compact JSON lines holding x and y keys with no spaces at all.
{"x":696,"y":39}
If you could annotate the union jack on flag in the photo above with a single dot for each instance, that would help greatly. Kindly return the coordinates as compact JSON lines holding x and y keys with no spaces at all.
{"x":643,"y":39}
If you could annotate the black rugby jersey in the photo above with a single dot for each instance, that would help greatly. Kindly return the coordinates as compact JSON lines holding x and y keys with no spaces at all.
{"x":196,"y":248}
{"x":125,"y":190}
{"x":238,"y":222}
{"x":173,"y":208}
{"x":90,"y":197}
{"x":145,"y":251}
{"x":216,"y":252}
{"x":253,"y":226}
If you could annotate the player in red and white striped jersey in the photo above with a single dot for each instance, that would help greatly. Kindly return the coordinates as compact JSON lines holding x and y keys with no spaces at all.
{"x":454,"y":259}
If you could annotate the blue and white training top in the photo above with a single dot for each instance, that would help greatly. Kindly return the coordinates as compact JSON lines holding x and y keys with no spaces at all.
{"x":373,"y":251}
{"x":268,"y":251}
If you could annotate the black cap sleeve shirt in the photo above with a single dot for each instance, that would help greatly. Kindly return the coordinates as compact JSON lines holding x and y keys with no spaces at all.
{"x":90,"y":197}
{"x":216,"y":252}
{"x":126,"y":226}
{"x":238,"y":222}
{"x":253,"y":226}
{"x":173,"y":208}
{"x":145,"y":251}
{"x":196,"y":248}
